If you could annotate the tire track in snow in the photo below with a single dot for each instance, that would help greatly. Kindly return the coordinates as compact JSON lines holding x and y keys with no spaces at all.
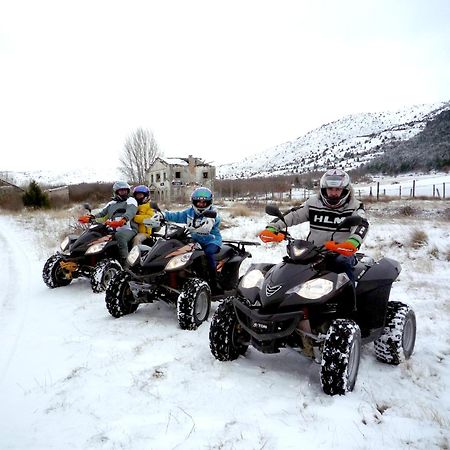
{"x":15,"y":267}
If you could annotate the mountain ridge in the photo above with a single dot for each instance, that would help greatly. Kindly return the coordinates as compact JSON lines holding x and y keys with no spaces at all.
{"x":348,"y":143}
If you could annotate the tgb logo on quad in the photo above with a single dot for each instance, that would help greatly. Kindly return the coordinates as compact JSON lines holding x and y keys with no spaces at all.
{"x":270,"y":290}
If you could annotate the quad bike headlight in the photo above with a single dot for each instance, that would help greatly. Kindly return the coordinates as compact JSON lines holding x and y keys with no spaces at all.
{"x":254,"y":278}
{"x":65,"y":243}
{"x":134,"y":255}
{"x":95,"y":248}
{"x":313,"y":289}
{"x":177,"y":262}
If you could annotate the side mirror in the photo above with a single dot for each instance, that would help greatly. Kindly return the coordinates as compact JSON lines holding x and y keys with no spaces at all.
{"x":210,"y":214}
{"x":273,"y":210}
{"x":87,"y":206}
{"x":155,"y":206}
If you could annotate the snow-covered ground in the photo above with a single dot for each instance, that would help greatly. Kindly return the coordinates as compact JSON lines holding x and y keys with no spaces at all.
{"x":72,"y":377}
{"x":437,"y":184}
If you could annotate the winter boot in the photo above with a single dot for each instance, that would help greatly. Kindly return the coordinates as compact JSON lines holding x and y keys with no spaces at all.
{"x":215,"y":289}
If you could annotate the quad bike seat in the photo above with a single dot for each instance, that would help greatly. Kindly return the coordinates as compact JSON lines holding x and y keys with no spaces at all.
{"x":225,"y":252}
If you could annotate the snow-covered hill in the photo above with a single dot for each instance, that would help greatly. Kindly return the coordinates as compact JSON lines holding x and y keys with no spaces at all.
{"x":347,"y":142}
{"x":62,"y":177}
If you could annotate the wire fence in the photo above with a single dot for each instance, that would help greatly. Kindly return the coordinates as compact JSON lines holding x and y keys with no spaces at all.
{"x":410,"y":190}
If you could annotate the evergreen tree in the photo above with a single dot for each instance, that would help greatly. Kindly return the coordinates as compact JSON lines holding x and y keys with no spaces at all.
{"x":35,"y":197}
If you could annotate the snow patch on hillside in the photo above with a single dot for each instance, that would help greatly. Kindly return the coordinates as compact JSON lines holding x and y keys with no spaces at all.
{"x":352,"y":141}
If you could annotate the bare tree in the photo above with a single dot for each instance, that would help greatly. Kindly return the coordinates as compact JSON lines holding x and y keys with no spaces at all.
{"x":138,"y":155}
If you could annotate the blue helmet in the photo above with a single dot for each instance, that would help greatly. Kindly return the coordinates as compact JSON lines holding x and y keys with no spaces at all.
{"x":143,"y":190}
{"x":202,"y":199}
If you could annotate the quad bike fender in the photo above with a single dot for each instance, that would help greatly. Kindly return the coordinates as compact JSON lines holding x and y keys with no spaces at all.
{"x":263,"y":267}
{"x":379,"y":275}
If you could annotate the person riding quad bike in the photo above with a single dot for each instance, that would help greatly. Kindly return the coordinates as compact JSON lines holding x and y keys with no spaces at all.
{"x":325,"y":211}
{"x":100,"y":250}
{"x":144,"y":211}
{"x":176,"y":270}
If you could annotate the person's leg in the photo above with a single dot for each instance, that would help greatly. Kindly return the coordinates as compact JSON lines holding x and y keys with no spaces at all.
{"x":210,"y":252}
{"x":123,"y":236}
{"x":344,"y":264}
{"x":139,"y":239}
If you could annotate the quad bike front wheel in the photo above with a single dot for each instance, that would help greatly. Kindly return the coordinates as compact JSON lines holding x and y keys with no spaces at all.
{"x":396,"y":344}
{"x":103,"y":273}
{"x":52,"y":273}
{"x":193,"y":304}
{"x":119,"y":297}
{"x":227,"y":339}
{"x":340,"y":357}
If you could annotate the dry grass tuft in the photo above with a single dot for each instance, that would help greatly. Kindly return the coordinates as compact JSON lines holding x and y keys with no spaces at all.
{"x":240,"y":211}
{"x":434,"y":252}
{"x":407,"y":211}
{"x":418,"y":238}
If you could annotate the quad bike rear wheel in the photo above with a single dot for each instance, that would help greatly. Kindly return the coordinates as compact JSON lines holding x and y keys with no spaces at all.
{"x":119,"y":297}
{"x":396,"y":344}
{"x":226,"y":336}
{"x":340,"y":357}
{"x":103,"y":273}
{"x":52,"y":273}
{"x":193,"y":304}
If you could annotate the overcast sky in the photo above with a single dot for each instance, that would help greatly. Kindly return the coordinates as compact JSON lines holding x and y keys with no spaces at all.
{"x":219,"y":80}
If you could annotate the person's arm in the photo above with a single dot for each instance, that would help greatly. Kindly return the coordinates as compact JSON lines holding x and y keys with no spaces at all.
{"x":178,"y":216}
{"x":293,"y":217}
{"x":145,"y":214}
{"x":131,"y":209}
{"x":103,"y":213}
{"x":359,"y":233}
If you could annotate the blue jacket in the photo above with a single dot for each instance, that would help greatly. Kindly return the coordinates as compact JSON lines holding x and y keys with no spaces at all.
{"x":190,"y":217}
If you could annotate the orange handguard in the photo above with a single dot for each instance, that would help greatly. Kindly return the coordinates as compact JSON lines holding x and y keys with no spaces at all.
{"x":84,"y":219}
{"x":344,"y":248}
{"x":269,"y":236}
{"x":116,"y":223}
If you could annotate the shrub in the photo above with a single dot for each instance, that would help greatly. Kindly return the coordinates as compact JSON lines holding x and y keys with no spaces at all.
{"x":418,"y":238}
{"x":240,"y":211}
{"x":35,"y":197}
{"x":90,"y":192}
{"x":11,"y":199}
{"x":407,"y":211}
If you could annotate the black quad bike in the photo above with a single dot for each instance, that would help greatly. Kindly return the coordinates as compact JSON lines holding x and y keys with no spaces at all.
{"x":301,"y":304}
{"x":94,"y":254}
{"x":175,"y":270}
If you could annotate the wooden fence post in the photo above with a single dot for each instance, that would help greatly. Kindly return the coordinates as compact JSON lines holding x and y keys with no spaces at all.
{"x":414,"y":189}
{"x":378,"y":190}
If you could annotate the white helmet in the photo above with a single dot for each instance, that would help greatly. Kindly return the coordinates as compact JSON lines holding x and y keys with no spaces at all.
{"x":335,"y":178}
{"x":121,"y":185}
